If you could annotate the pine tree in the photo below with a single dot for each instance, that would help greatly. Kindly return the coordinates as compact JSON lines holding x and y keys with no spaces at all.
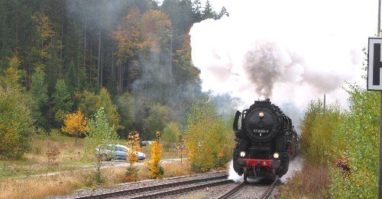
{"x":39,"y":93}
{"x":62,"y":101}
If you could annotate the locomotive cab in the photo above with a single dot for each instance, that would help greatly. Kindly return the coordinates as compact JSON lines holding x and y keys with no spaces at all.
{"x":264,"y":141}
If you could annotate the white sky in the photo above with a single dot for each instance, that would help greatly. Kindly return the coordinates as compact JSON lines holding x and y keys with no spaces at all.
{"x":327,"y":37}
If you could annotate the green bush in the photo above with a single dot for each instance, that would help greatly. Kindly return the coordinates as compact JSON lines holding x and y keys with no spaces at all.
{"x":171,"y":133}
{"x":208,"y":139}
{"x":346,"y":141}
{"x":15,"y":116}
{"x":157,"y":117}
{"x":317,"y":130}
{"x":100,"y":133}
{"x":89,"y":104}
{"x":357,"y":140}
{"x":15,"y":124}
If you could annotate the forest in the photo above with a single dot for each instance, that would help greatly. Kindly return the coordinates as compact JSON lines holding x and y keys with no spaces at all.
{"x":131,"y":57}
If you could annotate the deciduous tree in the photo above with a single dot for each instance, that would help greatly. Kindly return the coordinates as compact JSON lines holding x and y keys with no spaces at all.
{"x":15,"y":118}
{"x":75,"y":124}
{"x":208,"y":139}
{"x":100,"y":134}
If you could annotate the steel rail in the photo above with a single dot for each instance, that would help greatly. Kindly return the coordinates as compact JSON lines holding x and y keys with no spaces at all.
{"x":161,"y":194}
{"x":270,"y":189}
{"x":150,"y":188}
{"x":232,"y":191}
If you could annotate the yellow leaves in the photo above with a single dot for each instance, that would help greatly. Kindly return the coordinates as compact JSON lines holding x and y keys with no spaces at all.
{"x":128,"y":35}
{"x":208,"y":140}
{"x":140,"y":32}
{"x":133,"y":142}
{"x":156,"y":153}
{"x":44,"y":26}
{"x":75,"y":123}
{"x":12,"y":74}
{"x":155,"y":27}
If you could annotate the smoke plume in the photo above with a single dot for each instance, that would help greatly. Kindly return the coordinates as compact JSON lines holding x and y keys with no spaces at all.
{"x":265,"y":65}
{"x":290,"y":51}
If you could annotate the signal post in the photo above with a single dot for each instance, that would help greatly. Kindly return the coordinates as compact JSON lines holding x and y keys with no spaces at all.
{"x":374,"y":83}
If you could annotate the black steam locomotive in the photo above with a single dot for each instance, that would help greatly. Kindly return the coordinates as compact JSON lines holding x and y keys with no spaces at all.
{"x":265,"y":141}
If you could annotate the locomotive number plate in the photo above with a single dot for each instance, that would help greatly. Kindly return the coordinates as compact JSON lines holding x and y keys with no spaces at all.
{"x":260,"y":131}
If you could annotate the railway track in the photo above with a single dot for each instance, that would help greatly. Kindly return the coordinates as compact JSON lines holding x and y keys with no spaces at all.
{"x":166,"y":189}
{"x":232,"y":191}
{"x":268,"y":192}
{"x":235,"y":189}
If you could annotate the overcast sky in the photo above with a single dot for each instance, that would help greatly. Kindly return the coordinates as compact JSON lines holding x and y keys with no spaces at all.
{"x":292,"y":51}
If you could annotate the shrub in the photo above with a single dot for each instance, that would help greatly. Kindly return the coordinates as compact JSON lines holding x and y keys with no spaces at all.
{"x":357,"y":142}
{"x":209,"y":142}
{"x":133,"y":143}
{"x":347,"y":142}
{"x":75,"y":124}
{"x":157,"y":117}
{"x":15,"y":116}
{"x":90,"y":102}
{"x":155,"y":169}
{"x":15,"y":124}
{"x":311,"y":182}
{"x":100,"y":133}
{"x":171,"y":133}
{"x":318,"y":128}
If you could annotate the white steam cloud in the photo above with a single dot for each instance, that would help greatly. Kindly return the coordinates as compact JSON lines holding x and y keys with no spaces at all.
{"x":292,"y":51}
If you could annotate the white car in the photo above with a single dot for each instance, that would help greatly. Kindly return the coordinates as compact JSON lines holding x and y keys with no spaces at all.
{"x":116,"y":152}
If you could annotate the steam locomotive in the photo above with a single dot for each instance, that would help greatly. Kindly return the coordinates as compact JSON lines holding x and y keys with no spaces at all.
{"x":265,"y":141}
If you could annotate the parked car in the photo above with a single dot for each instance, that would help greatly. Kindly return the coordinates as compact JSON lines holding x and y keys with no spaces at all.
{"x":145,"y":143}
{"x":116,"y":152}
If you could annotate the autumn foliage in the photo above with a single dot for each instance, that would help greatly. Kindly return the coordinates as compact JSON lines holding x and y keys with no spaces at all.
{"x":15,"y":117}
{"x":155,"y":155}
{"x":208,"y":138}
{"x":75,"y":124}
{"x":133,"y":143}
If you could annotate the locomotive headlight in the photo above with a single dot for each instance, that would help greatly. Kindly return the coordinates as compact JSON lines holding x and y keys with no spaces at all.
{"x":242,"y":154}
{"x":276,"y":155}
{"x":261,"y":114}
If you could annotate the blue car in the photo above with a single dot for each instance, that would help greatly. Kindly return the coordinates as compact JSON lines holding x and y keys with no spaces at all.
{"x":115,"y":152}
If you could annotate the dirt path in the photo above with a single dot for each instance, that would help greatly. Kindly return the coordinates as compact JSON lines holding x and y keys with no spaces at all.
{"x":105,"y":165}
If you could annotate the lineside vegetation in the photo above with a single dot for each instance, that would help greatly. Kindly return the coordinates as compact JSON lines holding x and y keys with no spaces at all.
{"x":208,"y":138}
{"x":342,"y":145}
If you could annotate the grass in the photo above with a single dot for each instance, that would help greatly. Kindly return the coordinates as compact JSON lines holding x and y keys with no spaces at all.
{"x":70,"y":156}
{"x":43,"y":186}
{"x":310,"y":183}
{"x":39,"y":187}
{"x":37,"y":161}
{"x":18,"y":179}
